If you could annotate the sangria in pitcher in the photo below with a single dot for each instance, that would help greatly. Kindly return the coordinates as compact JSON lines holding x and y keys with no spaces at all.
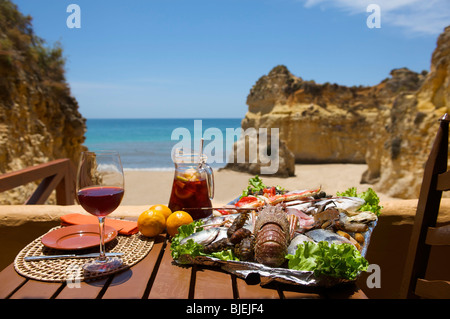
{"x":193,"y":185}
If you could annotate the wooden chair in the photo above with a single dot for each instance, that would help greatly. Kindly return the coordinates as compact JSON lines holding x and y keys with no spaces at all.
{"x":425,"y":234}
{"x":56,"y":175}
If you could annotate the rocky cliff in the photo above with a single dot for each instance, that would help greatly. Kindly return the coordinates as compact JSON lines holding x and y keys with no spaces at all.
{"x":389,"y":126}
{"x":410,"y":127}
{"x":39,"y":118}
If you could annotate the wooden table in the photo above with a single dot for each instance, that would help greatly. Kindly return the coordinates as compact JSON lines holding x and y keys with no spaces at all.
{"x":157,"y":277}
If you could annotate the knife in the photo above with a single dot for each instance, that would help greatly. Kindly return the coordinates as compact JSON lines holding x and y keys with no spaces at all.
{"x":33,"y":258}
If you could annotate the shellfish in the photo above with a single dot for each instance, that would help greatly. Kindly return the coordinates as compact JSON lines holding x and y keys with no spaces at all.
{"x":245,"y":250}
{"x":291,"y":196}
{"x":218,"y":245}
{"x":238,"y":223}
{"x":271,"y":236}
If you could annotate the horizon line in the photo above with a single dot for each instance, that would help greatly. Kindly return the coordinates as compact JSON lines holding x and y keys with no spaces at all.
{"x":163,"y":118}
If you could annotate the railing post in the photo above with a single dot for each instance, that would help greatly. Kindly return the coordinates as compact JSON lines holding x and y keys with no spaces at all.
{"x":65,"y":191}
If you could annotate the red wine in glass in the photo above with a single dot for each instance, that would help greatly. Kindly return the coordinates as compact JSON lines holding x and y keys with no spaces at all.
{"x":100,"y":201}
{"x":100,"y":189}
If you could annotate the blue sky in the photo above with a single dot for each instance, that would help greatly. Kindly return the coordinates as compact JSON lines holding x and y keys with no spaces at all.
{"x":199,"y":59}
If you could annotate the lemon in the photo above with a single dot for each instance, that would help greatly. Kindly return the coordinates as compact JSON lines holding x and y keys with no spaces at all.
{"x":182,"y":178}
{"x":151,"y":223}
{"x":162,"y":209}
{"x":177,"y":219}
{"x":190,"y":174}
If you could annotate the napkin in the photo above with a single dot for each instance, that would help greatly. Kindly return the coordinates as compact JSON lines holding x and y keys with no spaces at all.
{"x":123,"y":227}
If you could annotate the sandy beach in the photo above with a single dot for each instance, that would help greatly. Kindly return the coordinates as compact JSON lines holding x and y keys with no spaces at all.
{"x":154,"y":187}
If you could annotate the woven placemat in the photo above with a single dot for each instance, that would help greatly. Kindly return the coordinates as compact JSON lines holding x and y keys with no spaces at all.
{"x":134,"y":248}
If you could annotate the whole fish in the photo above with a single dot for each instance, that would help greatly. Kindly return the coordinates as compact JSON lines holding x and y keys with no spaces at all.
{"x":362,"y":217}
{"x":346,"y":203}
{"x":218,"y":221}
{"x":297,"y":240}
{"x":326,"y":235}
{"x":203,"y":237}
{"x":347,"y":224}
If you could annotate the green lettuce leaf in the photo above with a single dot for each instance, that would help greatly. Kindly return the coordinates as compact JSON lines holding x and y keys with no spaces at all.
{"x":372,"y":201}
{"x":351,"y":192}
{"x":336,"y":260}
{"x":190,"y":248}
{"x":225,"y":255}
{"x":255,"y":185}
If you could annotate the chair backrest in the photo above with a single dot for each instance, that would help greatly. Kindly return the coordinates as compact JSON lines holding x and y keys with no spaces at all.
{"x":425,"y":234}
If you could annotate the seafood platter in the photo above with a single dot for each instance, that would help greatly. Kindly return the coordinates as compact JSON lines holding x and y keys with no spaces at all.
{"x":301,"y":237}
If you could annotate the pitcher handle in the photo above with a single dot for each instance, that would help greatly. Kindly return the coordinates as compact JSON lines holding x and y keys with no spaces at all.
{"x":209,"y":179}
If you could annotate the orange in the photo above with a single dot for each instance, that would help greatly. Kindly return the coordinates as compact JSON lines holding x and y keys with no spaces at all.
{"x":177,"y":219}
{"x":162,"y":209}
{"x":151,"y":223}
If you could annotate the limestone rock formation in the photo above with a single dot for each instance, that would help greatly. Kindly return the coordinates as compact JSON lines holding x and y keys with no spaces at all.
{"x":39,"y":119}
{"x":410,"y":128}
{"x":323,"y":122}
{"x":389,"y":126}
{"x":268,"y":158}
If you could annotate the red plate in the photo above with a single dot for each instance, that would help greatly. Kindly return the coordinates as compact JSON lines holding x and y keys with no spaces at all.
{"x":77,"y":237}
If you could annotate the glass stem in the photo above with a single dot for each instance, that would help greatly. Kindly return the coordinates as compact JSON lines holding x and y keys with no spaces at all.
{"x":102,"y":238}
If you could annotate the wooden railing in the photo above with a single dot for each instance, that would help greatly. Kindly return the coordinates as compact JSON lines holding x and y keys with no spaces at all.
{"x":56,"y":175}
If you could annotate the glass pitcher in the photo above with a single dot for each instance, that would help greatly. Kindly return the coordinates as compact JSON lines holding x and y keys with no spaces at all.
{"x":193,"y":185}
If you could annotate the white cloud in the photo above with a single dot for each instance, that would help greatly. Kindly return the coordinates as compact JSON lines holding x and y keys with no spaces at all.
{"x":311,"y":3}
{"x":416,"y":16}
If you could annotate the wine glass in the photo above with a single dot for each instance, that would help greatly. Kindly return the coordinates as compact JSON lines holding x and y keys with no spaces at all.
{"x":100,"y":189}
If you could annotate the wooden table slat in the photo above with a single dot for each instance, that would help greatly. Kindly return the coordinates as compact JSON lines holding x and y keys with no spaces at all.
{"x":255,"y":291}
{"x":211,"y":284}
{"x":82,"y":290}
{"x":132,"y":283}
{"x":172,"y":281}
{"x":9,"y":281}
{"x":34,"y":289}
{"x":350,"y":292}
{"x":288,"y":294}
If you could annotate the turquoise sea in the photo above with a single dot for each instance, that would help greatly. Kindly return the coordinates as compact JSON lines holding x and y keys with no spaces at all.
{"x":146,"y":144}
